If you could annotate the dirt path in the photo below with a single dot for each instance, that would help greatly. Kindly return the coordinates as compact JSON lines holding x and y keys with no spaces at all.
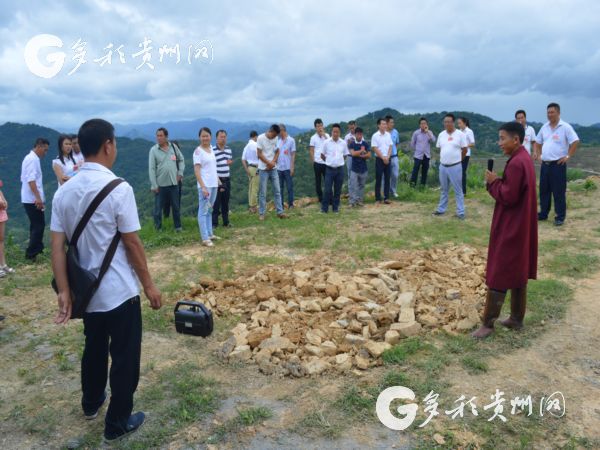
{"x":565,"y":359}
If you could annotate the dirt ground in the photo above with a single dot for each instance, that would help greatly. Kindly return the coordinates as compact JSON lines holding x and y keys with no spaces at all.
{"x":39,"y":384}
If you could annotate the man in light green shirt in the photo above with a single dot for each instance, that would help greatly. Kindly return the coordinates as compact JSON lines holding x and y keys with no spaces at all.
{"x":165,"y":168}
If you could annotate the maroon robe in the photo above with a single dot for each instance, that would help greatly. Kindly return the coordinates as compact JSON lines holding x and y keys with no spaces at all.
{"x":513,"y":248}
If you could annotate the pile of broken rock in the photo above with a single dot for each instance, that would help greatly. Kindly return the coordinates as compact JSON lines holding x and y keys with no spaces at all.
{"x":308,"y":318}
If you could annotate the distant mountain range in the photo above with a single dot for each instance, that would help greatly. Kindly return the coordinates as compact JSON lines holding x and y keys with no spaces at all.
{"x":17,"y":139}
{"x":188,"y":129}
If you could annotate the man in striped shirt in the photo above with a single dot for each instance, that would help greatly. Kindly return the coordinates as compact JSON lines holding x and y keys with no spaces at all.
{"x":224,"y":157}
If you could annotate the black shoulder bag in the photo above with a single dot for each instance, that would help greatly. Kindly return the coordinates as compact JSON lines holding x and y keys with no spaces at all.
{"x":83,"y":283}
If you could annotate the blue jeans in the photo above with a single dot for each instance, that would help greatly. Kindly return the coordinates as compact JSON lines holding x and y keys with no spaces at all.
{"x":285,"y":177}
{"x":451,"y":176}
{"x":205,"y":206}
{"x":265,"y":176}
{"x":394,"y":173}
{"x":334,"y":178}
{"x":382,"y":171}
{"x":553,"y":183}
{"x":349,"y":167}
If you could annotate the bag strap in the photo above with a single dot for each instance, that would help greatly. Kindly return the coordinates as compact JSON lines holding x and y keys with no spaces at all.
{"x":92,"y":208}
{"x":177,"y":151}
{"x":110,"y":253}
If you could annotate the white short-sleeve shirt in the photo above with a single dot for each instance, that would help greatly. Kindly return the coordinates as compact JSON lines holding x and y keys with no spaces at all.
{"x":79,"y":158}
{"x":118,"y":211}
{"x":249,"y":153}
{"x":383,"y":141}
{"x":555,"y":142}
{"x":31,"y":170}
{"x":68,"y":167}
{"x":208,"y":167}
{"x":451,"y":146}
{"x":317,"y":142}
{"x":334,"y":152}
{"x":529,"y":138}
{"x":267,"y":147}
{"x":470,"y":139}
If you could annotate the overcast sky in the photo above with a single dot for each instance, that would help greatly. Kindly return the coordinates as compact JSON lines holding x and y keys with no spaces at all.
{"x":296,"y":60}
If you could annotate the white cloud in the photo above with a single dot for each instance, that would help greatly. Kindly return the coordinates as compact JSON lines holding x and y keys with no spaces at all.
{"x":294,"y":61}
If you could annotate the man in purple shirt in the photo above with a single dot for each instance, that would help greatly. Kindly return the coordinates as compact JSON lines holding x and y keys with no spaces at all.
{"x":421,"y":143}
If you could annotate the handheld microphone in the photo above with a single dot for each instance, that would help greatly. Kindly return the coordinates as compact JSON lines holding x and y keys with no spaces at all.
{"x":490,"y":164}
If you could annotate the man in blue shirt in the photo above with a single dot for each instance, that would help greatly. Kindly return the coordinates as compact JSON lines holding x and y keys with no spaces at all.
{"x":394,"y":166}
{"x":360,"y":151}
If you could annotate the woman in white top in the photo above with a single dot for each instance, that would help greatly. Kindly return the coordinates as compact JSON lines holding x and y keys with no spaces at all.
{"x":64,"y":165}
{"x":205,"y":169}
{"x":463,"y":125}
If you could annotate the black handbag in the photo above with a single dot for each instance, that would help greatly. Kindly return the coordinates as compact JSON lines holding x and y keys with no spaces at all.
{"x":83,"y":284}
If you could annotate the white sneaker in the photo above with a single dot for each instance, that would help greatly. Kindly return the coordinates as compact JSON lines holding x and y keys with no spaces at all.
{"x":396,"y":195}
{"x":208,"y":243}
{"x":7,"y":269}
{"x":2,"y":273}
{"x":214,"y":238}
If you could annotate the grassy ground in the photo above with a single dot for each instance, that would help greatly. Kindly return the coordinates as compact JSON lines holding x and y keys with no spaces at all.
{"x":194,"y":398}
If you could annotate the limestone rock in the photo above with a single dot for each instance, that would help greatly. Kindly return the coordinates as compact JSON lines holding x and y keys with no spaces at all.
{"x":316,"y":366}
{"x":355,"y":339}
{"x":377,"y":348}
{"x":241,"y":353}
{"x":277,"y":344}
{"x":392,"y":337}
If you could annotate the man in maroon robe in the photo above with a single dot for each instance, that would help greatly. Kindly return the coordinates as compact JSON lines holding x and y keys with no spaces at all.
{"x":512,"y":252}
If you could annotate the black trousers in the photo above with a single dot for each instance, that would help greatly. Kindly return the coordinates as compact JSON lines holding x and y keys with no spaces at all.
{"x":118,"y":332}
{"x":382,"y":170}
{"x":320,"y":170}
{"x":465,"y":166}
{"x":167,"y":195}
{"x":423,"y":165}
{"x":553,"y":184}
{"x":37,"y":223}
{"x":221,"y":207}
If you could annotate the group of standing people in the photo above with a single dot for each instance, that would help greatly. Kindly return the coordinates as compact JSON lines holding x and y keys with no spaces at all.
{"x":270,"y":158}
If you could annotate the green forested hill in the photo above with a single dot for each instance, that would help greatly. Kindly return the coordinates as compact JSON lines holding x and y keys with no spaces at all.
{"x":17,"y":139}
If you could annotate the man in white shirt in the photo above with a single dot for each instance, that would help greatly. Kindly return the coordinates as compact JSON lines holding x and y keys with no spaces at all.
{"x":32,"y":197}
{"x":333,"y":153}
{"x":286,"y":163}
{"x":112,"y":321}
{"x":314,"y":147}
{"x":349,"y":138}
{"x":521,"y":117}
{"x":453,"y":148}
{"x":555,"y":143}
{"x":394,"y":162}
{"x":77,"y":155}
{"x":268,"y":153}
{"x":381,"y":143}
{"x":250,"y":163}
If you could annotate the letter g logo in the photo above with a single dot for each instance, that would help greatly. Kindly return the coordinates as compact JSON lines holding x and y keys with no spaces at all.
{"x":385,"y":399}
{"x":56,"y":59}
